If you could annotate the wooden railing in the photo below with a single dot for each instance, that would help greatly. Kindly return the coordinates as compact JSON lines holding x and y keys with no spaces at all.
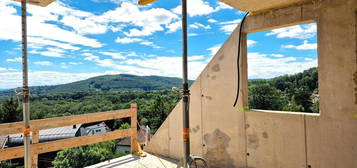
{"x":36,"y":125}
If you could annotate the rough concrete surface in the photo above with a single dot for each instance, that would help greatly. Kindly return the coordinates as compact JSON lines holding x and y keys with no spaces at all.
{"x":228,"y":136}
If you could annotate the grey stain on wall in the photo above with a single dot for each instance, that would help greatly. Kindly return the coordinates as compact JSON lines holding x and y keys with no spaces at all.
{"x":195,"y":129}
{"x":216,"y":68}
{"x":253,"y":141}
{"x":209,"y":97}
{"x":265,"y":135}
{"x":217,"y":144}
{"x":221,"y":57}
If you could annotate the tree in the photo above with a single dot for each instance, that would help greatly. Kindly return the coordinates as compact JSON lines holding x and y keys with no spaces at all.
{"x":124,"y":126}
{"x":8,"y":164}
{"x":302,"y":96}
{"x":10,"y":111}
{"x":264,"y":96}
{"x":144,"y":121}
{"x":315,"y":108}
{"x":292,"y":106}
{"x":86,"y":155}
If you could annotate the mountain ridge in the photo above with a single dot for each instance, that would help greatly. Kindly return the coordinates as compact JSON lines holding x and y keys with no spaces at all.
{"x":106,"y":83}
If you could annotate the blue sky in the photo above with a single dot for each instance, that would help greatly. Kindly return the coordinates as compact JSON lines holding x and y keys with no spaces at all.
{"x":73,"y":40}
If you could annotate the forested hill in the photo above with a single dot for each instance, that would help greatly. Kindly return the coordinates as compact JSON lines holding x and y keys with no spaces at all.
{"x":107,"y":83}
{"x":287,"y":92}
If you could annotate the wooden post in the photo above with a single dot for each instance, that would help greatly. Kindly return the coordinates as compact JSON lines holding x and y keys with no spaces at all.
{"x":134,"y":132}
{"x":35,"y":140}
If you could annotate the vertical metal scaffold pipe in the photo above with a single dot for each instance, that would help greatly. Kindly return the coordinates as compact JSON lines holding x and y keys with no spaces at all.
{"x":186,"y":91}
{"x":25,"y":91}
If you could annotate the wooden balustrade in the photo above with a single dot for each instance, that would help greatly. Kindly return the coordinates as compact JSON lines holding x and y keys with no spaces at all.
{"x":36,"y":125}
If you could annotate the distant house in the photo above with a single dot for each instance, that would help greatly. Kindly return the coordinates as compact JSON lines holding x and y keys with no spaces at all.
{"x":46,"y":135}
{"x":58,"y":133}
{"x":315,"y":98}
{"x":123,"y":146}
{"x":3,"y":141}
{"x":95,"y":129}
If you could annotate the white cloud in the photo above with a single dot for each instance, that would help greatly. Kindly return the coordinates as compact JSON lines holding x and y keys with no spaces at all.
{"x":75,"y":63}
{"x":38,"y":26}
{"x":50,"y":54}
{"x":197,"y":25}
{"x":277,"y":55}
{"x":40,"y":78}
{"x":159,"y":65}
{"x":196,"y":8}
{"x":116,"y":28}
{"x":305,"y":46}
{"x":114,"y":55}
{"x":39,"y":43}
{"x":56,"y":50}
{"x":229,"y":26}
{"x":195,"y":58}
{"x":212,"y":21}
{"x":173,"y":27}
{"x":90,"y":57}
{"x":84,"y":25}
{"x":192,"y":34}
{"x":115,"y":1}
{"x":261,"y":66}
{"x":17,"y":59}
{"x":147,"y":21}
{"x":108,"y":63}
{"x":298,"y":31}
{"x":214,"y":49}
{"x":251,"y":43}
{"x":127,"y":40}
{"x":143,"y":22}
{"x":2,"y":69}
{"x":44,"y":63}
{"x":169,"y":66}
{"x":221,"y":6}
{"x":150,"y":44}
{"x":236,"y":21}
{"x":64,"y":65}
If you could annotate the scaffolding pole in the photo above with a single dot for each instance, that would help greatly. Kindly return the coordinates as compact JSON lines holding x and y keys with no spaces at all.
{"x":25,"y":88}
{"x":186,"y":91}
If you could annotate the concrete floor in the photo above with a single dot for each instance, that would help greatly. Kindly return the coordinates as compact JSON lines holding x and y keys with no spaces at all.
{"x":133,"y":161}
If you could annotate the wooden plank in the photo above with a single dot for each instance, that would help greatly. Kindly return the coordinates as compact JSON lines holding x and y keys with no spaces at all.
{"x":34,"y":161}
{"x":18,"y":152}
{"x":35,"y":140}
{"x":17,"y":127}
{"x":278,"y":18}
{"x":42,"y":3}
{"x":134,"y":133}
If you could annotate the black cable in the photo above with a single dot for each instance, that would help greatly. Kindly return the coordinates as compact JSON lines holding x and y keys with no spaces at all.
{"x":238,"y":58}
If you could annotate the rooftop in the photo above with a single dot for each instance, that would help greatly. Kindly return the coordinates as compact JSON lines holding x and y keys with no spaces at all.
{"x":49,"y":134}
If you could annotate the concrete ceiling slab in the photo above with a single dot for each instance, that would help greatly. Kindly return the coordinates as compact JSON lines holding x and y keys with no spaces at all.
{"x":260,"y":5}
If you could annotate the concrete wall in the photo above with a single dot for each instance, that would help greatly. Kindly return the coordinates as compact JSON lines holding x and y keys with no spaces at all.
{"x":231,"y":137}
